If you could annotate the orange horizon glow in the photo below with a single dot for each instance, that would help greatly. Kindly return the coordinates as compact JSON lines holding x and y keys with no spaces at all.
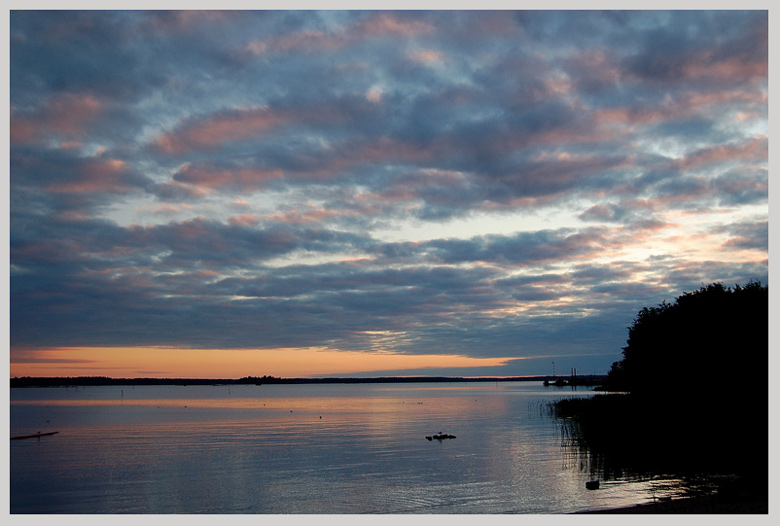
{"x":168,"y":362}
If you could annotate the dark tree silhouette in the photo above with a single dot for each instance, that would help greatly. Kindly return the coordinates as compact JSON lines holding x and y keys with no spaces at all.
{"x":711,"y":335}
{"x":696,"y":374}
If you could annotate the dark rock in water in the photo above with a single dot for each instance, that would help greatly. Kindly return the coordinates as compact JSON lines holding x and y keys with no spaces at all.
{"x":440,"y":436}
{"x":592,"y":484}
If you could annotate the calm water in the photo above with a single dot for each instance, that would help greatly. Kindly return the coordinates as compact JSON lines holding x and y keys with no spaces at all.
{"x":282,"y":449}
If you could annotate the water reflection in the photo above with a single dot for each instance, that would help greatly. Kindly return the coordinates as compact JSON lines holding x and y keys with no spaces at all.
{"x":296,"y":449}
{"x":610,"y":440}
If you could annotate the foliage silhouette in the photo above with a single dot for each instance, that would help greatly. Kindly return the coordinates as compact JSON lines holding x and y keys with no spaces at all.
{"x":712,"y":334}
{"x":695,"y":392}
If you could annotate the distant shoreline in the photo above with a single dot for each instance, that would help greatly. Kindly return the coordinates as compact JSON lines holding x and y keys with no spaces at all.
{"x":85,"y":381}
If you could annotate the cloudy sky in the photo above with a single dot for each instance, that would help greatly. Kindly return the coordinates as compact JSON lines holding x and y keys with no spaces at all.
{"x":298,"y":193}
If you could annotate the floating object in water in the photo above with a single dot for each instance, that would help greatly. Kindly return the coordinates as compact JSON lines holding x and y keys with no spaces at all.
{"x":36,"y":435}
{"x":592,"y":484}
{"x":439,"y":436}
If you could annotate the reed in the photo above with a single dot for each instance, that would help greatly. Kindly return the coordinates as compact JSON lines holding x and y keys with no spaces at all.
{"x":623,"y":436}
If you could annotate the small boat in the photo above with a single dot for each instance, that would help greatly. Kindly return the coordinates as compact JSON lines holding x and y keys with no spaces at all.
{"x":36,"y":435}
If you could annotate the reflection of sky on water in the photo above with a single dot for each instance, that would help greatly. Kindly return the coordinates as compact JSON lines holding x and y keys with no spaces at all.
{"x":296,"y":449}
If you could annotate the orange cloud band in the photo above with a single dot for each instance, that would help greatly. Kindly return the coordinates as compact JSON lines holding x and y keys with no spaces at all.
{"x":141,"y":362}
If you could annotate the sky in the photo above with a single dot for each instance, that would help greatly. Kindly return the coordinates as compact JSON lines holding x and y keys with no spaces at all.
{"x":370,"y":193}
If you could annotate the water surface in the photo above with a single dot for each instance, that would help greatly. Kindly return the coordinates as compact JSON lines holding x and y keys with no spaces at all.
{"x":316,"y":448}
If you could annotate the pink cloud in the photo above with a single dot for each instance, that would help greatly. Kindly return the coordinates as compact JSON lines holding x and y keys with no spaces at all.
{"x":349,"y":156}
{"x":23,"y":129}
{"x":728,"y":70}
{"x":384,"y":24}
{"x":194,"y":229}
{"x":208,"y":177}
{"x":626,"y":116}
{"x":303,"y":41}
{"x":71,"y":216}
{"x":62,"y":116}
{"x":295,"y":217}
{"x":244,"y":220}
{"x":698,"y":100}
{"x":388,"y":24}
{"x":213,"y":177}
{"x":218,"y":129}
{"x":187,"y":20}
{"x":307,"y":40}
{"x":678,"y":107}
{"x":70,"y":114}
{"x":713,"y":65}
{"x":387,"y":148}
{"x":489,"y":23}
{"x":755,"y":150}
{"x":426,"y":56}
{"x":98,"y":175}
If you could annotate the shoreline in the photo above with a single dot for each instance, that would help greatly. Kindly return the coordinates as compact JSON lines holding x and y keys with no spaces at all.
{"x":590,"y":380}
{"x":701,"y":505}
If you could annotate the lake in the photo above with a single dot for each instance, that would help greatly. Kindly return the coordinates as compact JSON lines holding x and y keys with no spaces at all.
{"x":302,"y":449}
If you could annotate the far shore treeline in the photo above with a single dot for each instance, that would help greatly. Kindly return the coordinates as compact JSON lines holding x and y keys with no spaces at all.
{"x":31,"y":381}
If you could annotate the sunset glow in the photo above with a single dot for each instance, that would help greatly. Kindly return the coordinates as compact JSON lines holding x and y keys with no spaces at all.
{"x":124,"y":362}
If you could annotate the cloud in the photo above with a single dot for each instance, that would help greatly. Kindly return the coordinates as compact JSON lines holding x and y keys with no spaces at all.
{"x":671,"y":55}
{"x":215,"y":177}
{"x":755,"y":150}
{"x":66,"y":117}
{"x":512,"y":185}
{"x":426,"y":56}
{"x":217,"y":129}
{"x":748,"y":236}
